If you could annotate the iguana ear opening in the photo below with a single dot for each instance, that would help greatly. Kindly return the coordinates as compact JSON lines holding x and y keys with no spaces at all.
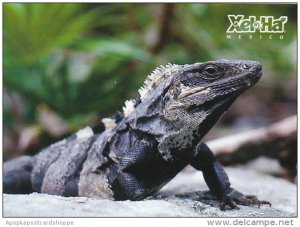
{"x":175,"y":88}
{"x":170,"y":101}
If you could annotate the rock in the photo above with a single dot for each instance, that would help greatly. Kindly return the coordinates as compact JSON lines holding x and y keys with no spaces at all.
{"x":180,"y":198}
{"x":266,"y":165}
{"x":281,"y":193}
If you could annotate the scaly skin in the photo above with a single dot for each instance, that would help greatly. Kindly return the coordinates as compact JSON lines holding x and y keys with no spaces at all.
{"x":143,"y":149}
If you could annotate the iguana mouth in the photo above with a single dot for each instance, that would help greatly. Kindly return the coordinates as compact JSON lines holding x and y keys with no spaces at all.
{"x":259,"y":74}
{"x":213,"y":104}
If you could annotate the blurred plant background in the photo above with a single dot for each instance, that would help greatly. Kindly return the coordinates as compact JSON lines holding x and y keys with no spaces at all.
{"x":69,"y":65}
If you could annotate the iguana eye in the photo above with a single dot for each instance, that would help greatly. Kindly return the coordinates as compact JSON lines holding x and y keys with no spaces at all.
{"x":246,"y":66}
{"x":211,"y":72}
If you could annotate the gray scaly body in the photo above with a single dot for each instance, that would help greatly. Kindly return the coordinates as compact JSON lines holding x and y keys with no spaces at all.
{"x":142,"y":149}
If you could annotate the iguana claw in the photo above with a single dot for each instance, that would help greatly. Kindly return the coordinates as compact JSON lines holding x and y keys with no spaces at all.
{"x":234,"y":197}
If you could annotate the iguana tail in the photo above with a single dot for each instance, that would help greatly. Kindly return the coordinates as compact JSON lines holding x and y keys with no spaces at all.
{"x":17,"y":175}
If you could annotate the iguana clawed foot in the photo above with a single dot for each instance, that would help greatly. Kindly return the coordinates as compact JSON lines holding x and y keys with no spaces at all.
{"x":233,"y":198}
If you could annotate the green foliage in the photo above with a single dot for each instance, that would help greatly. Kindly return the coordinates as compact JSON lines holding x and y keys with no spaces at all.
{"x":48,"y":60}
{"x":81,"y":59}
{"x":31,"y":30}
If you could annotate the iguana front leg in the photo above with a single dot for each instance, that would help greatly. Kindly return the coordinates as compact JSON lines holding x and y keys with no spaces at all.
{"x":218,"y":182}
{"x":127,"y":185}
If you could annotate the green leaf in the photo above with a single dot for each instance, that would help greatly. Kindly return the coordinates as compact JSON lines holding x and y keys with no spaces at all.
{"x":33,"y":30}
{"x":111,"y":47}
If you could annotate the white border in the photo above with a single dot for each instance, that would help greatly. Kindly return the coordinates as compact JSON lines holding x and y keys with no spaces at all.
{"x":132,"y":222}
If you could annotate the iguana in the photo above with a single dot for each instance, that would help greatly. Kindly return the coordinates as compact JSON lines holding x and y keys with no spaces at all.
{"x":143,"y":148}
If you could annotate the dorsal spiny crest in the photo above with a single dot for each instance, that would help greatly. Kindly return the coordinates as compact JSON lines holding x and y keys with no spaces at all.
{"x":156,"y":77}
{"x":129,"y":107}
{"x":160,"y":73}
{"x":109,"y":123}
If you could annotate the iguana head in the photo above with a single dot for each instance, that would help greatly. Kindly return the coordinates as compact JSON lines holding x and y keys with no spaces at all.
{"x":205,"y":85}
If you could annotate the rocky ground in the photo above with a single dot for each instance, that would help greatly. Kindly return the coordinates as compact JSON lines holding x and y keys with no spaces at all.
{"x":184,"y":196}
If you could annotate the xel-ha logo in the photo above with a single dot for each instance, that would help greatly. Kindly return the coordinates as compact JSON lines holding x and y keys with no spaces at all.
{"x":263,"y":27}
{"x":253,"y":24}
